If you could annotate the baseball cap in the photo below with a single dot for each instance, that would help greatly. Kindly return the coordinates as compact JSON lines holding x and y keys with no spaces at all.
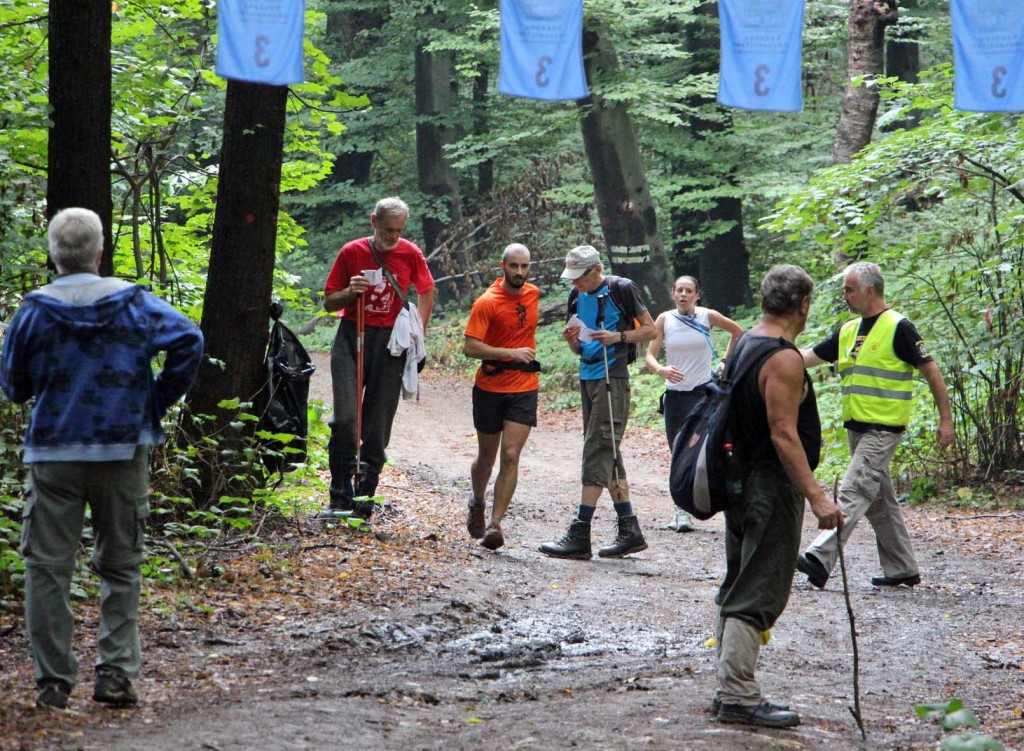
{"x":580,"y":259}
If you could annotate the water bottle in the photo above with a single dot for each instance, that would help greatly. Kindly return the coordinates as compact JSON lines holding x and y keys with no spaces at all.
{"x":733,"y":474}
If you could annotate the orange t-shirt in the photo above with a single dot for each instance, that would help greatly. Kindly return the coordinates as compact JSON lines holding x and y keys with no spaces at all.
{"x":500,"y":319}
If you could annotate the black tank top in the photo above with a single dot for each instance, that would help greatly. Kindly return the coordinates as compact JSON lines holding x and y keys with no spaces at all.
{"x":750,"y":426}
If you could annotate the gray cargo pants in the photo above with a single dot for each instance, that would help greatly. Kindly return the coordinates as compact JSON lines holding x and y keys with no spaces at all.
{"x":118,"y":496}
{"x":867,"y":491}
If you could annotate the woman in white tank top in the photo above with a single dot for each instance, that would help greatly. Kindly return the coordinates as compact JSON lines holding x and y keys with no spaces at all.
{"x":690,"y":356}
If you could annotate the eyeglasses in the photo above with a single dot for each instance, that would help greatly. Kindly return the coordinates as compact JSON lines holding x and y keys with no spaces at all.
{"x":588,"y":271}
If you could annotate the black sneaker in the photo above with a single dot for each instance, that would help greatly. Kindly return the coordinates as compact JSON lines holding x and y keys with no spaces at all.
{"x":816,"y":573}
{"x":115,"y":688}
{"x":763,"y":714}
{"x":53,"y":694}
{"x":896,"y":581}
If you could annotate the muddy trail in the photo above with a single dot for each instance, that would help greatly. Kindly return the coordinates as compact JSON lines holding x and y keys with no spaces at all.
{"x":515,"y":650}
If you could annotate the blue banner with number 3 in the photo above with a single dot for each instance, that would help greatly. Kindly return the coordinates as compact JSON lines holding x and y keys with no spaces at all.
{"x":761,"y":54}
{"x":542,"y":49}
{"x":260,"y":41}
{"x":988,"y":55}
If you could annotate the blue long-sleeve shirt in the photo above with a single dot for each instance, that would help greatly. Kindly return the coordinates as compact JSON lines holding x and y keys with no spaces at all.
{"x":83,"y":346}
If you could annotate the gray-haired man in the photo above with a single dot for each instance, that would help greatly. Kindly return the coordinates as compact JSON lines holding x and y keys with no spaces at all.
{"x":83,"y":347}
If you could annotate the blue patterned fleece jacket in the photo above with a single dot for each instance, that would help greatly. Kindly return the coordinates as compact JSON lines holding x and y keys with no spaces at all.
{"x":83,"y":347}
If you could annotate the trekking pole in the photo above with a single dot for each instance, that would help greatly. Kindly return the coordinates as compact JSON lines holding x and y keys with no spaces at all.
{"x":855,"y":709}
{"x":360,"y":469}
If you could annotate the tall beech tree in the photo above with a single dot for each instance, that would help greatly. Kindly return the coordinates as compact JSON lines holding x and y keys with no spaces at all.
{"x":709,"y":236}
{"x":629,"y":221}
{"x":78,"y":165}
{"x":241,"y":271}
{"x":865,"y":57}
{"x":434,"y":80}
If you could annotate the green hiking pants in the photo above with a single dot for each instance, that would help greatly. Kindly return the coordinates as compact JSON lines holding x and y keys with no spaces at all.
{"x":762,"y":541}
{"x":117,"y":494}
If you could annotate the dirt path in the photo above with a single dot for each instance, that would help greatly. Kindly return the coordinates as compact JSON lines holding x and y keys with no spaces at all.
{"x":519,"y":651}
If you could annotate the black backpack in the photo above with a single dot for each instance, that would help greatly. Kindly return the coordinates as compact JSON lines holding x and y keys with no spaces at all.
{"x":616,"y":285}
{"x":282,"y":401}
{"x":707,"y":471}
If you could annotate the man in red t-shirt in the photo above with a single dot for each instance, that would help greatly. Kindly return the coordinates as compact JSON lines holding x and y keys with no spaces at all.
{"x":501,"y":332}
{"x":348,"y":286}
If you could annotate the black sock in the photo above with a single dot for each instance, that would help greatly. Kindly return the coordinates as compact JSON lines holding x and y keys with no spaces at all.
{"x":586,"y":513}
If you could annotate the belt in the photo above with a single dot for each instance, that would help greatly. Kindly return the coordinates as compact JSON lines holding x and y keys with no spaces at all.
{"x":494,"y":367}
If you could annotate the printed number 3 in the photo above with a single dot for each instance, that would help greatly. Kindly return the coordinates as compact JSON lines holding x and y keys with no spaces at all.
{"x":760,"y":72}
{"x":542,"y":67}
{"x":261,"y":48}
{"x":998,"y":74}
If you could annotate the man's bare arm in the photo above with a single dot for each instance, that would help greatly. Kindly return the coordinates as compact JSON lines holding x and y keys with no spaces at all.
{"x":782,"y":383}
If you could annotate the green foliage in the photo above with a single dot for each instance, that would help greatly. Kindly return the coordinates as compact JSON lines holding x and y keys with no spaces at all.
{"x":955,"y":716}
{"x":938,"y":208}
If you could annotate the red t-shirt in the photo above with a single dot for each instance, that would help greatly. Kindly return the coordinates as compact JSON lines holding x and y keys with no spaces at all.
{"x":504,"y":320}
{"x":383,"y":305}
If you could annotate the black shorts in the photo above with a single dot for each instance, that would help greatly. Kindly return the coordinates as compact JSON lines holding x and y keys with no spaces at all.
{"x":491,"y":409}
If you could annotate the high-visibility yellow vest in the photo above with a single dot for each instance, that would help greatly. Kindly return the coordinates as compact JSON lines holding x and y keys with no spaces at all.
{"x":878,"y":387}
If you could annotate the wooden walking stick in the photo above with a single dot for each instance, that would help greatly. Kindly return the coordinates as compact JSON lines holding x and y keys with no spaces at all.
{"x":855,"y":709}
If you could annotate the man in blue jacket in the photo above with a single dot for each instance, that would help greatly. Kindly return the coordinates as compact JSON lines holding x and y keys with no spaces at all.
{"x":82,"y":346}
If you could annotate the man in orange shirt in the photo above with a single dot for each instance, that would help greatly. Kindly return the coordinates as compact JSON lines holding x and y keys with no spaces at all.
{"x":501,"y":332}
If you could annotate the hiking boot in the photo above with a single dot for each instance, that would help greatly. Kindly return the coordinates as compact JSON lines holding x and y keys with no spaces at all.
{"x":681,"y":522}
{"x":493,"y":538}
{"x":896,"y":581}
{"x":763,"y":714}
{"x":363,"y":507}
{"x":816,"y":573}
{"x":716,"y":704}
{"x":574,"y":544}
{"x":629,"y":539}
{"x":53,"y":694}
{"x":115,"y":688}
{"x":475,"y":521}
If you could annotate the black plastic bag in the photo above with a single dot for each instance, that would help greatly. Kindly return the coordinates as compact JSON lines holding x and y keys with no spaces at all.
{"x":281,"y":403}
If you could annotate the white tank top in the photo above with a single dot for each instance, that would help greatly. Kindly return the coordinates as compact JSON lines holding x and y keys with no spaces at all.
{"x":688,"y":349}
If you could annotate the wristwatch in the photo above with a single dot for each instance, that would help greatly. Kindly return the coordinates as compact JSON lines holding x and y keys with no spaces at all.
{"x":622,"y":337}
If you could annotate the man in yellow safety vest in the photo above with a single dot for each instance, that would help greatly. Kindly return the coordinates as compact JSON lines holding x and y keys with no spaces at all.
{"x":876,"y":355}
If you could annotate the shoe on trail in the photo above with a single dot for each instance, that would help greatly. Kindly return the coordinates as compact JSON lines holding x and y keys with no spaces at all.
{"x":53,"y":695}
{"x":493,"y":538}
{"x":574,"y":544}
{"x":115,"y":688}
{"x":475,"y":522}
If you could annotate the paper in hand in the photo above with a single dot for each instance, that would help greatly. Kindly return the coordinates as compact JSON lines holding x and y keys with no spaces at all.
{"x":586,"y":333}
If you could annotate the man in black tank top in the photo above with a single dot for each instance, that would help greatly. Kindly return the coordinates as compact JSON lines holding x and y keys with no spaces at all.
{"x":779,"y":437}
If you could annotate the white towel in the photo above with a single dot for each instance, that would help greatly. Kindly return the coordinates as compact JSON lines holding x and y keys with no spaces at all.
{"x":407,"y":337}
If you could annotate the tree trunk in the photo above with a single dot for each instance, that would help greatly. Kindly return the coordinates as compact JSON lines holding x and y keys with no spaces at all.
{"x":437,"y":179}
{"x":345,"y":35}
{"x":80,"y":135}
{"x":865,"y":26}
{"x":718,"y":258}
{"x":242,"y":255}
{"x":481,"y":126}
{"x":903,"y":60}
{"x":628,"y":220}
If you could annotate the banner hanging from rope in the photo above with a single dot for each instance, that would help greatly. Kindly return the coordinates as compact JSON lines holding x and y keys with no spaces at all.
{"x":260,"y":41}
{"x":542,"y":49}
{"x":988,"y":55}
{"x":761,"y":49}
